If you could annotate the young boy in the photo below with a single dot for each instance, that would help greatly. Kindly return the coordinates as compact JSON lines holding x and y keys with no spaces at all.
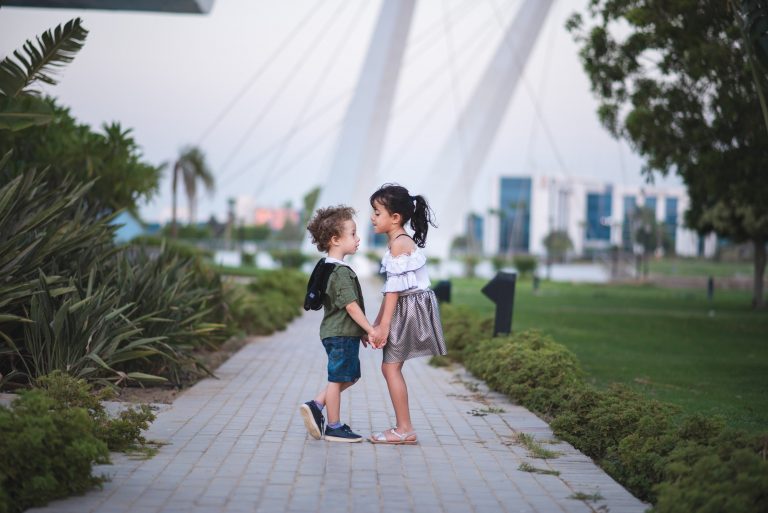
{"x":333,"y":231}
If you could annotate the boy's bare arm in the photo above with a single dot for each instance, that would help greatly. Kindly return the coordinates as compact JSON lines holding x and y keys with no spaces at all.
{"x":354,"y":311}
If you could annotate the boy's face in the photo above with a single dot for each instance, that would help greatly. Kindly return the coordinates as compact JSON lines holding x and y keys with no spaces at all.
{"x":348,"y":242}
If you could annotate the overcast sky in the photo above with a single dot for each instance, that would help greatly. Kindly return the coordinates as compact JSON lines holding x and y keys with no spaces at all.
{"x":171,"y":77}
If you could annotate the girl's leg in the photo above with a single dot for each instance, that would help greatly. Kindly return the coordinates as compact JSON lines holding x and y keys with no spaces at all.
{"x":398,"y":392}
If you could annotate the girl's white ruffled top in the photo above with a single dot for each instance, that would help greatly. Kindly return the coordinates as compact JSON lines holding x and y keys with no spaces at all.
{"x":405,"y":272}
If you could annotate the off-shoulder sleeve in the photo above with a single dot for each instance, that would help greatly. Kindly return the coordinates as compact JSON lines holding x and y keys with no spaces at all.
{"x":401,"y":271}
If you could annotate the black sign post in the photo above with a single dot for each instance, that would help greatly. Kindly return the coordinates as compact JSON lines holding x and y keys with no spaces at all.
{"x":443,"y":291}
{"x":501,"y":290}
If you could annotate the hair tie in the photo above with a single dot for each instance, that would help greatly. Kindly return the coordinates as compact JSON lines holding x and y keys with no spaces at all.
{"x":413,"y":198}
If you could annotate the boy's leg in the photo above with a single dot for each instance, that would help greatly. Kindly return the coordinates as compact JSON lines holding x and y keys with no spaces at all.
{"x":333,"y":401}
{"x":320,"y":398}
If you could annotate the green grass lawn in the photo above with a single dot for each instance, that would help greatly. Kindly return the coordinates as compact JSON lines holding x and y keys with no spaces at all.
{"x":663,"y":342}
{"x":700,"y":267}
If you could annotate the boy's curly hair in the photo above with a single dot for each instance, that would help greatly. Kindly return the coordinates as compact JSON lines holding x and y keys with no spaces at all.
{"x":327,"y":223}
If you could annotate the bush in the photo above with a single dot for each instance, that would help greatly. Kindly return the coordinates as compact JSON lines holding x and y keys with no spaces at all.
{"x":500,"y":261}
{"x":728,"y":475}
{"x":461,"y":328}
{"x":155,"y":244}
{"x":640,"y":459}
{"x":119,"y":433}
{"x":525,"y":264}
{"x":289,"y":258}
{"x":686,"y":463}
{"x":247,"y":259}
{"x":597,"y":420}
{"x":530,"y":367}
{"x":178,"y":303}
{"x":268,"y":303}
{"x":47,"y":452}
{"x":51,"y":437}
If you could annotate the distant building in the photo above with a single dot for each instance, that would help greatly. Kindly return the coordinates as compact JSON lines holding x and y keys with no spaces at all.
{"x":276,"y":218}
{"x":129,"y":227}
{"x":248,"y":213}
{"x":595,"y":215}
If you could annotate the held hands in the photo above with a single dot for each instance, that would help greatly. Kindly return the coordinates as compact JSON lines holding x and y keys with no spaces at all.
{"x":378,"y":336}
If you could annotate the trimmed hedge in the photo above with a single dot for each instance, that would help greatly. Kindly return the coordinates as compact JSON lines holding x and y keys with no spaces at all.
{"x":268,"y":303}
{"x":679,"y":463}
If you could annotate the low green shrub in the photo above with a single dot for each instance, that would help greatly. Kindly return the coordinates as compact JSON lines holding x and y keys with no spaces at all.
{"x":51,"y":437}
{"x":730,"y":474}
{"x":289,"y":258}
{"x":47,"y":452}
{"x":178,"y":303}
{"x":525,"y":264}
{"x":598,"y":420}
{"x":461,"y":328}
{"x":680,"y":463}
{"x":268,"y":303}
{"x":177,"y":247}
{"x":119,"y":433}
{"x":500,"y":261}
{"x":247,"y":259}
{"x":531,"y":367}
{"x":640,"y":458}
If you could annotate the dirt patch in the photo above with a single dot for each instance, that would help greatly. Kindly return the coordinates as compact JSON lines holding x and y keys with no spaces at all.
{"x":167,"y":394}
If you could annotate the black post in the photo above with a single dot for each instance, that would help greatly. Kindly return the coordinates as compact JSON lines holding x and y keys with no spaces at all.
{"x":501,"y":290}
{"x":710,"y":288}
{"x":443,"y":291}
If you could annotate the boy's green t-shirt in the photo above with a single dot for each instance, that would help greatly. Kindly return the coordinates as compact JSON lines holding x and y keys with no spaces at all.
{"x":343,"y":289}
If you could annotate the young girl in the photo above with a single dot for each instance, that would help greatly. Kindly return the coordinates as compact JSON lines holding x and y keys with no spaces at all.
{"x":408,"y":323}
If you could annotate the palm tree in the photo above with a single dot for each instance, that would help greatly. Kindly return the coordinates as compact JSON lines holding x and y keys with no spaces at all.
{"x":192,"y":167}
{"x":20,"y":105}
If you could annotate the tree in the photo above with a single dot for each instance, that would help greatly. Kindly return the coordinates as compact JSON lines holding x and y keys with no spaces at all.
{"x":69,"y":149}
{"x":674,"y":79}
{"x":752,"y":16}
{"x":558,"y":244}
{"x":43,"y":135}
{"x":20,"y":105}
{"x":191,"y":167}
{"x":310,"y":202}
{"x":648,"y":234}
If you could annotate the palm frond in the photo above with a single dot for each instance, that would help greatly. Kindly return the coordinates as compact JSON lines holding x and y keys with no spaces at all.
{"x":24,"y":112}
{"x":38,"y":60}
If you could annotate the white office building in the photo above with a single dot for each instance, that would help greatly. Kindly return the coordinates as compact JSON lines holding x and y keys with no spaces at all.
{"x":596,"y":215}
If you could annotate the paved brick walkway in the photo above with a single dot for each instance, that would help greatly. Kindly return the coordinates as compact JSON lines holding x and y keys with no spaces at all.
{"x":237,"y":444}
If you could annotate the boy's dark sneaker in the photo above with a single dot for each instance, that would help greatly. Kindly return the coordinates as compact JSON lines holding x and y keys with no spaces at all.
{"x":313,"y":419}
{"x":342,"y":433}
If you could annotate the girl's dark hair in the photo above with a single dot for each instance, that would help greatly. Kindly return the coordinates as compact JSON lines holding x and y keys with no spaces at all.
{"x":397,"y":200}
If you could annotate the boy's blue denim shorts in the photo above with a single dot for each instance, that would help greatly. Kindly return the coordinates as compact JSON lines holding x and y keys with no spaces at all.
{"x":343,"y":358}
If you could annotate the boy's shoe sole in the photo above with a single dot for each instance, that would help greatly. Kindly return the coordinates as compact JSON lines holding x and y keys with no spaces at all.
{"x":329,"y":438}
{"x":309,"y":422}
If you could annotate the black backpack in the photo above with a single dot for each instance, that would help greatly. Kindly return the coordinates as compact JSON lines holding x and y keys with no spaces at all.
{"x":318,"y":282}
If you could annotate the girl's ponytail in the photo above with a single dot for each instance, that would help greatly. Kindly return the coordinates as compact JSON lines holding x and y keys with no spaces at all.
{"x":423,"y":216}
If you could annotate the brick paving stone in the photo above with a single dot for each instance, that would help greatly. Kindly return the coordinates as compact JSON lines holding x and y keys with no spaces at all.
{"x":236,"y":444}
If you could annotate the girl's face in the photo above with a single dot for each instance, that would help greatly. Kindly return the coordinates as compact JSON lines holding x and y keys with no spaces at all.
{"x":382,"y":220}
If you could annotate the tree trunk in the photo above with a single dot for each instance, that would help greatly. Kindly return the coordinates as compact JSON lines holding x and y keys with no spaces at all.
{"x":758,"y":299}
{"x":174,"y":180}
